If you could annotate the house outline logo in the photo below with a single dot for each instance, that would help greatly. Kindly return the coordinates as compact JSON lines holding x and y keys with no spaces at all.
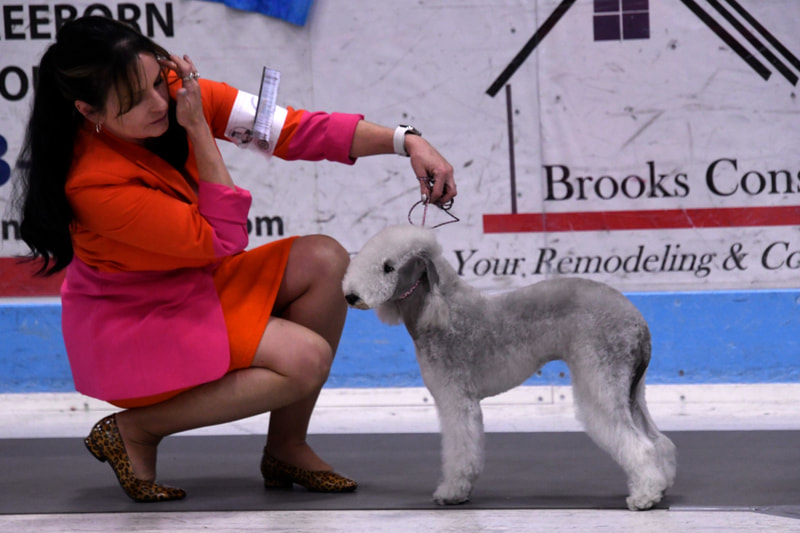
{"x":704,"y":16}
{"x":515,"y":222}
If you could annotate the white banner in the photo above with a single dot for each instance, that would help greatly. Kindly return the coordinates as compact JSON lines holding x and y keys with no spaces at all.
{"x":654,"y":143}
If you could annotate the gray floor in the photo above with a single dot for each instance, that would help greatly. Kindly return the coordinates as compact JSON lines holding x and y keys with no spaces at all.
{"x":726,"y":411}
{"x":757,"y":470}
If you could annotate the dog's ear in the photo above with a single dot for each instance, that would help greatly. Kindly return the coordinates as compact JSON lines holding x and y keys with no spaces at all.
{"x":411,"y":272}
{"x":408,"y":276}
{"x":430,"y":268}
{"x":389,"y":313}
{"x":436,"y":313}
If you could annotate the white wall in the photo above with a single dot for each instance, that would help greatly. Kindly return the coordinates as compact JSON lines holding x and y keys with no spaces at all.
{"x":674,"y":103}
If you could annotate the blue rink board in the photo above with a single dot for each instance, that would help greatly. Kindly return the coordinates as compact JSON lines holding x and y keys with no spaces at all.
{"x":698,"y":337}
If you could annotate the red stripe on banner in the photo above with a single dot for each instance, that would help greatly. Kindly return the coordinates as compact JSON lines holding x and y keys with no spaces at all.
{"x":17,"y":279}
{"x":635,"y":220}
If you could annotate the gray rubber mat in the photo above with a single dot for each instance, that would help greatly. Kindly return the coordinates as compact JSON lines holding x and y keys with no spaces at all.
{"x":758,"y":470}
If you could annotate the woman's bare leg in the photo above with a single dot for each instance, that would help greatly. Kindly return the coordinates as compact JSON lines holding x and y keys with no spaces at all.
{"x":311,"y":296}
{"x":291,"y":364}
{"x":278,"y":378}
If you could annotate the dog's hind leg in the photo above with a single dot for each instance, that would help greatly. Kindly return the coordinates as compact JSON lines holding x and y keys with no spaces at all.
{"x":665,"y":448}
{"x":461,"y":422}
{"x":603,"y":406}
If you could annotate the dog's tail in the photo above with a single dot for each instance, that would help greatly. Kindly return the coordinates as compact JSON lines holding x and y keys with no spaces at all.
{"x":644,"y":349}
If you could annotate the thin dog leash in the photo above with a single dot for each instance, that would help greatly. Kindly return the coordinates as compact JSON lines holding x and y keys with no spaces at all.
{"x":425,"y":201}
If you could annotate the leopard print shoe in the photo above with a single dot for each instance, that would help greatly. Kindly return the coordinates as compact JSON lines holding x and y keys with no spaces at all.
{"x":278,"y":474}
{"x":105,"y":443}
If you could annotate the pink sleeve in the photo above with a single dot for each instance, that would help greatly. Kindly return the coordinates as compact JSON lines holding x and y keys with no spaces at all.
{"x":318,"y":135}
{"x":226,"y":210}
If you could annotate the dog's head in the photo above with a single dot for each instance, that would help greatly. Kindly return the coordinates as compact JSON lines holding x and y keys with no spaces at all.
{"x":391,"y":266}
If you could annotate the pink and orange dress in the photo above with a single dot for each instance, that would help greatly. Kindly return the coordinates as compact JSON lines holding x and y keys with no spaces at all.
{"x":161,"y":294}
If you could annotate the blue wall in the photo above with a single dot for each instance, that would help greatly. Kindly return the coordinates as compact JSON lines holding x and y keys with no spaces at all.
{"x":698,"y":337}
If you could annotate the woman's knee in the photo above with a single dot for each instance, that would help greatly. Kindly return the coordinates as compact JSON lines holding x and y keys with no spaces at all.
{"x":314,"y":365}
{"x":323,"y":254}
{"x":298,"y":354}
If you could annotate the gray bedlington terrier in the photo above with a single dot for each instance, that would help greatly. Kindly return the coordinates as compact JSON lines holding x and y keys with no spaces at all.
{"x":471,"y":345}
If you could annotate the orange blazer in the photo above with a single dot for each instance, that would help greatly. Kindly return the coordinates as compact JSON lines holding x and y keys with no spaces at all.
{"x":141,"y":314}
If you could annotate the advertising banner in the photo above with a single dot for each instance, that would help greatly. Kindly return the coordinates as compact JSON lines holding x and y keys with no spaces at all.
{"x":648,"y":144}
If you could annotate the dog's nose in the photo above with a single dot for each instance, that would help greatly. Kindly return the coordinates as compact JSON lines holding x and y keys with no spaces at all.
{"x":352,"y":299}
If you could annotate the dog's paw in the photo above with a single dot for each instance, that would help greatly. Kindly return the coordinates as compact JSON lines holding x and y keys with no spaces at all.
{"x":642,"y":502}
{"x":451,"y":495}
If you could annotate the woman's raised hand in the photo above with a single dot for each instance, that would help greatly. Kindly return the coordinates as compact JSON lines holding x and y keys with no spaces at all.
{"x":189,"y":105}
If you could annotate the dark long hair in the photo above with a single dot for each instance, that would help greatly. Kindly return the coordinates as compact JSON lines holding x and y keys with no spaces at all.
{"x":91,"y":57}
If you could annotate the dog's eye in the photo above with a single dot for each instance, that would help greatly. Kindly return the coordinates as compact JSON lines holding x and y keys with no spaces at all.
{"x":387,"y":268}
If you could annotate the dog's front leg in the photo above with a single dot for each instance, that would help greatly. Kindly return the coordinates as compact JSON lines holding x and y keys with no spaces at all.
{"x":461,"y":424}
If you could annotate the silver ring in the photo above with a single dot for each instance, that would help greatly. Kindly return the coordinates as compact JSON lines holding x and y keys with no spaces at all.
{"x":191,"y":76}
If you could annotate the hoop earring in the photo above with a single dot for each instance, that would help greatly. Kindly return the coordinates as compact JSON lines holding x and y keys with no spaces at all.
{"x":98,"y":126}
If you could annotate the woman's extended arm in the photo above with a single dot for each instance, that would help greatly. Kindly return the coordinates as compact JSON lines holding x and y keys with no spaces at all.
{"x":427,"y":162}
